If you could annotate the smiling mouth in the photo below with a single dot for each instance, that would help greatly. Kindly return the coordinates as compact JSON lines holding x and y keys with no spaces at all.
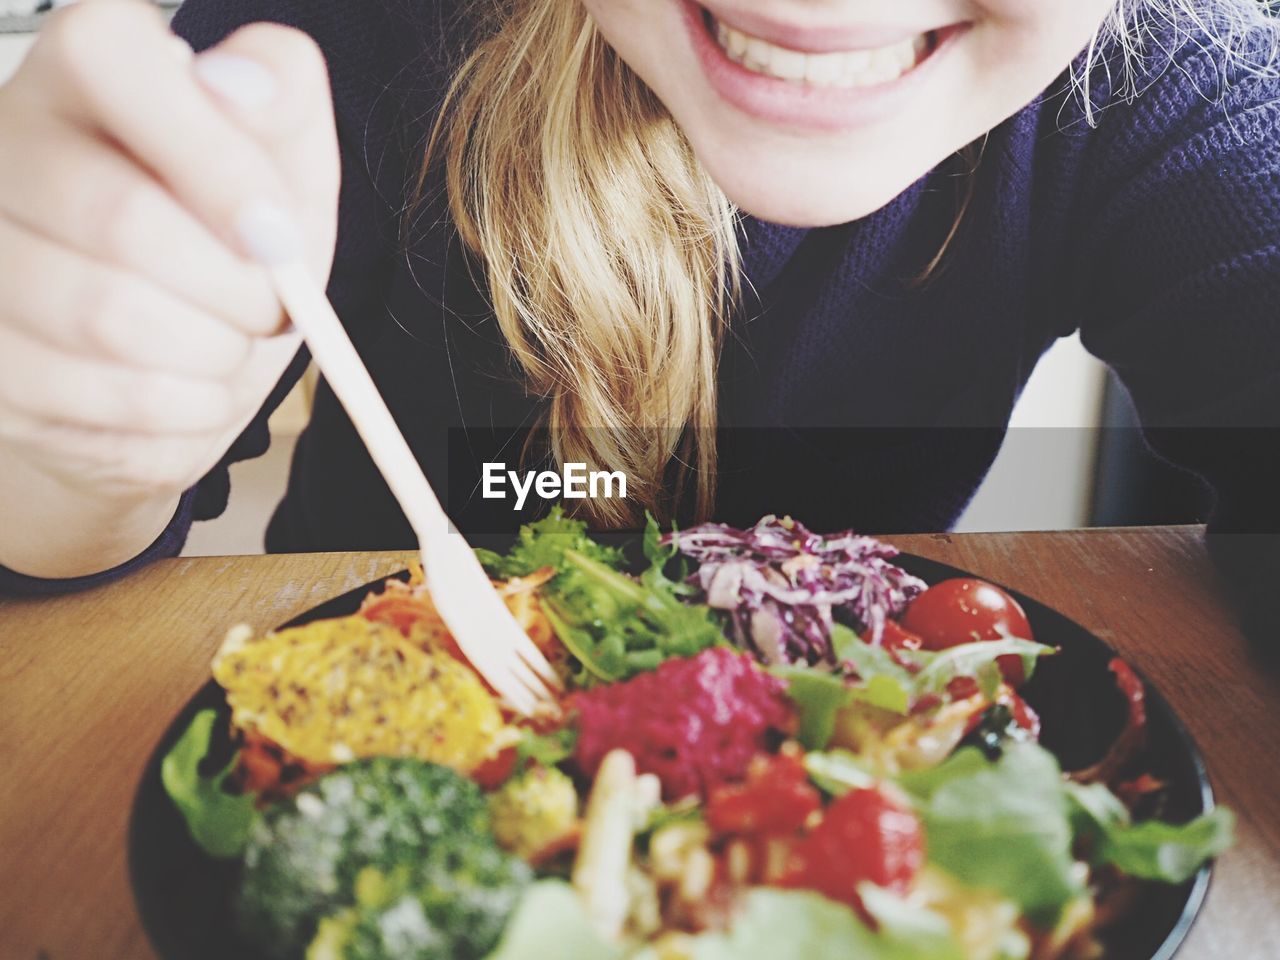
{"x":869,"y":67}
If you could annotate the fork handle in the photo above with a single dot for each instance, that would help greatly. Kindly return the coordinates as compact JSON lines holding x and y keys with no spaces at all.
{"x":337,"y":359}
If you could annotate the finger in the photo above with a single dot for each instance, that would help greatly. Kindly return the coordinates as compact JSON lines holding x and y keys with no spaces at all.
{"x":77,"y":190}
{"x":293,"y":119}
{"x":274,"y":83}
{"x":112,"y":461}
{"x":112,"y":67}
{"x":100,"y":312}
{"x":269,"y":358}
{"x":42,"y":383}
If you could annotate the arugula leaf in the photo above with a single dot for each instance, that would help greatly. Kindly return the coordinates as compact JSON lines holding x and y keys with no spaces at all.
{"x":544,"y":544}
{"x":617,"y":626}
{"x":218,"y":821}
{"x":799,"y":925}
{"x":972,"y":659}
{"x":688,"y":629}
{"x":1151,"y":850}
{"x":578,"y":641}
{"x":654,"y":551}
{"x":660,"y":557}
{"x":1001,"y":826}
{"x":547,"y":749}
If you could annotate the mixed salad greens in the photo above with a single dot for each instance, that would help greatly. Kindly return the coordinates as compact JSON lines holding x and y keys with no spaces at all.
{"x":772,"y":744}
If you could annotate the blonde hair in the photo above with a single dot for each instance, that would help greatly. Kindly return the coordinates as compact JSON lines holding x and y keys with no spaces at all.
{"x":610,"y":256}
{"x":1136,"y":44}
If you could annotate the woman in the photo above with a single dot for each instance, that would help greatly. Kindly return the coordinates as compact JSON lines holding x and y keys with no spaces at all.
{"x":758,"y":257}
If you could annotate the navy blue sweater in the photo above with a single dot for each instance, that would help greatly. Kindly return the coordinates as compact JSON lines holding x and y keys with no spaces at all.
{"x":851,"y":396}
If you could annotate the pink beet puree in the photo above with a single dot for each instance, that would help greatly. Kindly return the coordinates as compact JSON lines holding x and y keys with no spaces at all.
{"x":693,"y":723}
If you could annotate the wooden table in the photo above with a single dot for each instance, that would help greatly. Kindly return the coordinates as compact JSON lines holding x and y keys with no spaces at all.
{"x":89,"y":682}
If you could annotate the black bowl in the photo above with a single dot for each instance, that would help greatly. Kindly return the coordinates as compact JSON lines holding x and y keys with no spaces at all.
{"x":183,"y":896}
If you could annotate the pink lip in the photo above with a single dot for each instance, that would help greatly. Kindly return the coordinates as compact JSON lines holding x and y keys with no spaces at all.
{"x":826,"y":38}
{"x":789,"y":104}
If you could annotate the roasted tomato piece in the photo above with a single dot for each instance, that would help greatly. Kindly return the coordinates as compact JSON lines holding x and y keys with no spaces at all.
{"x":1023,"y":714}
{"x":493,"y":773}
{"x":966,"y":610}
{"x":898,"y":637}
{"x":865,"y":836}
{"x":776,"y":798}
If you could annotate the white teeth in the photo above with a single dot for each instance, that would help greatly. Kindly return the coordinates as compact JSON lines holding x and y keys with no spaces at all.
{"x":855,"y":68}
{"x":757,"y":53}
{"x":822,"y":71}
{"x":787,"y":64}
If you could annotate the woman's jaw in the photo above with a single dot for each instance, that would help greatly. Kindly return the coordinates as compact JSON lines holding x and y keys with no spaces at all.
{"x":817,"y":112}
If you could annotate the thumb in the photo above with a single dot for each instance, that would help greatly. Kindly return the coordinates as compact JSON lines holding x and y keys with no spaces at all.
{"x":273,"y":83}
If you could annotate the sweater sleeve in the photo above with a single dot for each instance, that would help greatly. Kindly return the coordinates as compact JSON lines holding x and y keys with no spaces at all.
{"x":1180,"y":294}
{"x":358,"y":261}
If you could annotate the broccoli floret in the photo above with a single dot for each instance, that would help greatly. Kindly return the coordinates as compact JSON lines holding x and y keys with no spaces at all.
{"x":378,"y":846}
{"x":425,"y":912}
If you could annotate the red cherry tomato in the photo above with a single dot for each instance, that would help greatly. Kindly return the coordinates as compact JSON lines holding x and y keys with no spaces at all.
{"x":777,"y":798}
{"x":966,"y":610}
{"x":865,"y":835}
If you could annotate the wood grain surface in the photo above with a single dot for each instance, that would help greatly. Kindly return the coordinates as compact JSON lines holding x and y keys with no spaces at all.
{"x":89,"y":682}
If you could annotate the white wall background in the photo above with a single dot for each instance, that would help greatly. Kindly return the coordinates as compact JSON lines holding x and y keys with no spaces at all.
{"x":1044,"y":474}
{"x":13,"y":47}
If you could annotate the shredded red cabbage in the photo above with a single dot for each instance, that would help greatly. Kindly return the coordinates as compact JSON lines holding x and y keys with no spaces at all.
{"x":783,"y":585}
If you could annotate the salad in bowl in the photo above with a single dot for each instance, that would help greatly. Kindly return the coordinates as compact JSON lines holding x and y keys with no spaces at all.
{"x":769,"y":743}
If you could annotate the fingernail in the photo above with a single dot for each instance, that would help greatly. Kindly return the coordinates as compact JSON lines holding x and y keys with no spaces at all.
{"x":269,"y":235}
{"x":182,"y":50}
{"x":238,"y":80}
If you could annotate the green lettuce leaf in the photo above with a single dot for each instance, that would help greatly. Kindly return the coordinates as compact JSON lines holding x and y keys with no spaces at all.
{"x":218,"y":821}
{"x":798,"y":925}
{"x":884,"y":683}
{"x":1011,"y":825}
{"x":973,"y":660}
{"x":837,"y":771}
{"x":552,"y":922}
{"x":818,"y":696}
{"x":886,"y":692}
{"x":869,"y":661}
{"x":1001,"y":826}
{"x":1151,"y":850}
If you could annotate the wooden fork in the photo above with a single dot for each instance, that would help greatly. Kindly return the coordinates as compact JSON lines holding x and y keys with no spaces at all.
{"x":476,"y":616}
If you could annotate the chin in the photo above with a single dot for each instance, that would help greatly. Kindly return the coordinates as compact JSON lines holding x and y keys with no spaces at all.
{"x":803,"y":208}
{"x":797,"y":192}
